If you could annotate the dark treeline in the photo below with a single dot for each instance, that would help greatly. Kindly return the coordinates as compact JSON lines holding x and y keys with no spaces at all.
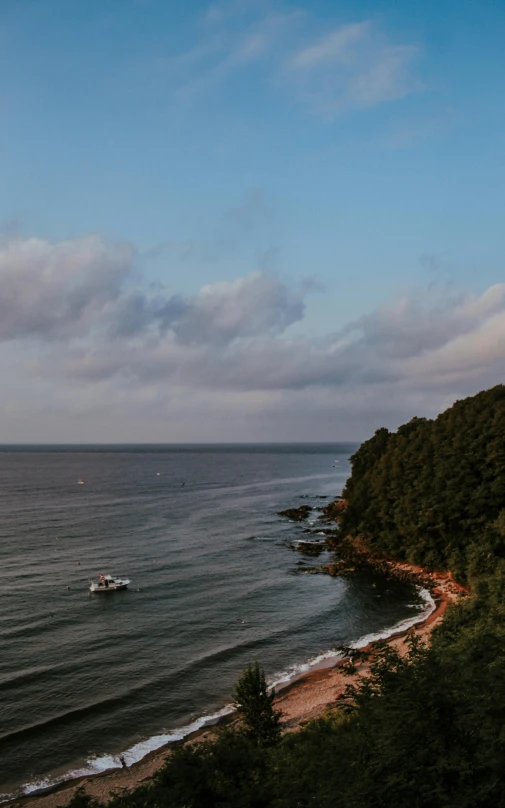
{"x":434,"y":491}
{"x":426,"y":730}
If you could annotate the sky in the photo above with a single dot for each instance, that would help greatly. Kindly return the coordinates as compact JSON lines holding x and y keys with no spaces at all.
{"x":248,"y":220}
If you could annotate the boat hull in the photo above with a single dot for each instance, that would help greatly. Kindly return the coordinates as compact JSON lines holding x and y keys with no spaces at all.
{"x":112,"y":587}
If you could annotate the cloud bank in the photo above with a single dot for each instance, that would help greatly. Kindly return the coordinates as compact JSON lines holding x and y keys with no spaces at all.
{"x":82,"y":337}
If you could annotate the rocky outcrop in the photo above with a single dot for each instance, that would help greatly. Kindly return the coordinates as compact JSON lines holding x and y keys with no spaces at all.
{"x":334,"y":510}
{"x":297,"y":514}
{"x":310,"y":548}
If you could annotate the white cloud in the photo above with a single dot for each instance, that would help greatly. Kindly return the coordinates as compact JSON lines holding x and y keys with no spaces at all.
{"x":74,"y":289}
{"x":255,"y":305}
{"x":350,"y":66}
{"x":227,"y":9}
{"x":387,"y":78}
{"x":212,"y":62}
{"x":466,"y":356}
{"x":332,"y":47}
{"x":58,"y":290}
{"x":76,"y":338}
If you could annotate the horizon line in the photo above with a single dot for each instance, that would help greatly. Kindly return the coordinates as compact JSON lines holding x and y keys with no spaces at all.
{"x":183,"y":443}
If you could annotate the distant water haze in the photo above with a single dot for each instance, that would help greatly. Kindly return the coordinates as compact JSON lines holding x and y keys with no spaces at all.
{"x":215,"y":584}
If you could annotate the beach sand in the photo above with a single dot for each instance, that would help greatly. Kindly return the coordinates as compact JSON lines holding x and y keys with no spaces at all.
{"x":300,"y":701}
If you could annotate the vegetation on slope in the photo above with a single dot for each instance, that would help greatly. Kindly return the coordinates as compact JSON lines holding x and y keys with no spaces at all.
{"x":426,"y":730}
{"x":434,"y":491}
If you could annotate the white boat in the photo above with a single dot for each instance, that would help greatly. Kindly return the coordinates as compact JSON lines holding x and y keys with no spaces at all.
{"x":106,"y":583}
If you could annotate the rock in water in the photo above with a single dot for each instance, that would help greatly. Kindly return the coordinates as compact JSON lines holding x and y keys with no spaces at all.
{"x":296,"y":513}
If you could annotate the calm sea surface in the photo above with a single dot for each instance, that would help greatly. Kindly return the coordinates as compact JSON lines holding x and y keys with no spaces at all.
{"x":215,"y":585}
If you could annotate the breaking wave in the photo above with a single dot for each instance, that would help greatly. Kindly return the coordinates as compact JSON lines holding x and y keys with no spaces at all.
{"x":135,"y":753}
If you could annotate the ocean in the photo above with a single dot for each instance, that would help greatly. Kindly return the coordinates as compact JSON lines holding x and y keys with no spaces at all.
{"x":215,"y":584}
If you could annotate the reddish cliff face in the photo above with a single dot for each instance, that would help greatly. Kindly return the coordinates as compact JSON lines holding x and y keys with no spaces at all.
{"x":335,"y":509}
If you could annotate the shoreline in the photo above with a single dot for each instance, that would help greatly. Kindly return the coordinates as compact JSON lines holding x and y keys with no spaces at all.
{"x":319,"y":691}
{"x":304,"y":697}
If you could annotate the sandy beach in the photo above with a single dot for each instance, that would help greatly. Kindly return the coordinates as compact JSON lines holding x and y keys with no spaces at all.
{"x":301,"y":700}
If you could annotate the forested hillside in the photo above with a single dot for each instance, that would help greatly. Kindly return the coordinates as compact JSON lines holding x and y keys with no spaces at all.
{"x":427,"y":730}
{"x":434,"y":491}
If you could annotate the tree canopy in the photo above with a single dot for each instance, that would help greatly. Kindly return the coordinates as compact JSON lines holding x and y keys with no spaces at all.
{"x":254,"y":705}
{"x":434,"y":491}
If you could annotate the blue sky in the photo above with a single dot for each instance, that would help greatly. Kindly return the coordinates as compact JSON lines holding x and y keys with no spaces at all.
{"x":348,"y":157}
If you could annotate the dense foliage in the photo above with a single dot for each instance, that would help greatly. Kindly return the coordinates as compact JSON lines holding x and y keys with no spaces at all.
{"x":434,"y":491}
{"x":254,"y":706}
{"x":424,"y":731}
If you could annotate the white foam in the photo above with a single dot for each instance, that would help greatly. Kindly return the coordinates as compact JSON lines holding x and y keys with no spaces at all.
{"x":403,"y":625}
{"x":295,"y":671}
{"x":102,"y":763}
{"x":309,"y":541}
{"x":303,"y":667}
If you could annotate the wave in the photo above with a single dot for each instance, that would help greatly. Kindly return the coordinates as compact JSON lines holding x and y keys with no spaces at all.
{"x":403,"y":625}
{"x":258,"y":538}
{"x":69,"y":716}
{"x":316,"y":542}
{"x":294,"y":671}
{"x":101,"y":763}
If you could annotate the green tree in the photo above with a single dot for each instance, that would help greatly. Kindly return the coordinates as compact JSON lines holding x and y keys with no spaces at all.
{"x":229,"y":771}
{"x":254,"y":704}
{"x":81,"y":799}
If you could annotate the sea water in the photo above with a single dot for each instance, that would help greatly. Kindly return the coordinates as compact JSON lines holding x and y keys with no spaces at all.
{"x":215,"y":584}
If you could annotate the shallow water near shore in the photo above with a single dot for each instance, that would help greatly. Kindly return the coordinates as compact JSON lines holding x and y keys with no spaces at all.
{"x":215,"y":584}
